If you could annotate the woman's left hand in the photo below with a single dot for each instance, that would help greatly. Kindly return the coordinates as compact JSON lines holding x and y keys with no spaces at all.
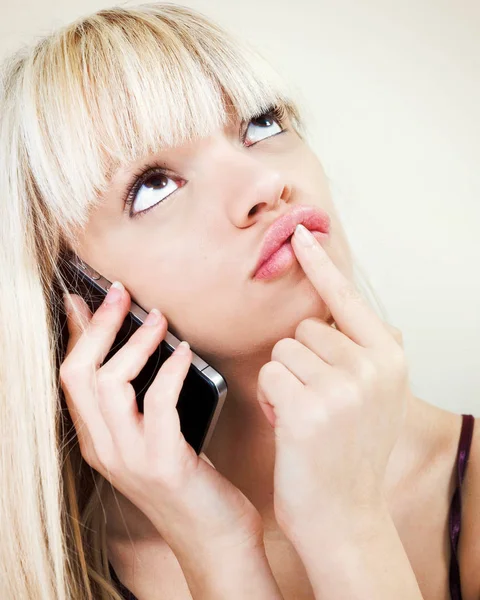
{"x":337,"y":398}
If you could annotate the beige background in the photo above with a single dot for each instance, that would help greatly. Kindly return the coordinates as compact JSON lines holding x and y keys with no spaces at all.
{"x":393,"y":94}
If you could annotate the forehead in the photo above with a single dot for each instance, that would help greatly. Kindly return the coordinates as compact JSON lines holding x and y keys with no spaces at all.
{"x":229,"y":126}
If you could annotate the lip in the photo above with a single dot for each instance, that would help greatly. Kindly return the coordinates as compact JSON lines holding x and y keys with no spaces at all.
{"x":313,"y":218}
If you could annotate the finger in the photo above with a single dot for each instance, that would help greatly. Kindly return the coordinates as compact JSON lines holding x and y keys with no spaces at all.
{"x":278,"y":392}
{"x":85,"y":440}
{"x":353,"y":316}
{"x":92,"y":433}
{"x":330,"y":344}
{"x":78,"y":317}
{"x":307,"y":366}
{"x":117,"y":397}
{"x":130,"y":359}
{"x":78,"y":378}
{"x":161,"y":421}
{"x":96,"y":340}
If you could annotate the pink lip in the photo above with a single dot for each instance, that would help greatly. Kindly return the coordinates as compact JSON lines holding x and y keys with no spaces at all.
{"x":276,"y":256}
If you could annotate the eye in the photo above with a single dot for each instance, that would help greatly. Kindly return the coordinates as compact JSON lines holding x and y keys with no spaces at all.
{"x":262,"y":127}
{"x":151,"y":190}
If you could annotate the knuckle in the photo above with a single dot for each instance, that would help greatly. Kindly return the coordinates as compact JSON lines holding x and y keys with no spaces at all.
{"x":309,"y":326}
{"x":69,"y":372}
{"x":268,"y":372}
{"x":315,"y":380}
{"x":366,"y":370}
{"x":303,"y":328}
{"x":283,"y":346}
{"x":348,"y":393}
{"x":396,"y":333}
{"x":64,"y":372}
{"x":392,"y":360}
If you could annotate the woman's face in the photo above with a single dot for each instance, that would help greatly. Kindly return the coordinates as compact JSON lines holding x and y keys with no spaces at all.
{"x":192,"y":255}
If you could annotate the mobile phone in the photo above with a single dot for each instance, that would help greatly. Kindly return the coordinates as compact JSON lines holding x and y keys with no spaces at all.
{"x":204,"y":389}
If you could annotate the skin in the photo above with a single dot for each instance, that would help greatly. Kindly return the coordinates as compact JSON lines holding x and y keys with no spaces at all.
{"x":169,"y":258}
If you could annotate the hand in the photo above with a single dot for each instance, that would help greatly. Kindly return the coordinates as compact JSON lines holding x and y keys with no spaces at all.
{"x":145,"y":456}
{"x":336,"y":398}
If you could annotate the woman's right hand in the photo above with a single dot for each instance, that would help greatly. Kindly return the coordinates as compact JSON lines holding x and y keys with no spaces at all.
{"x":145,"y":456}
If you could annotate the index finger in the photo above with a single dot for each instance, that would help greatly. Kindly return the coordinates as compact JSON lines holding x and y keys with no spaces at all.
{"x":353,"y":316}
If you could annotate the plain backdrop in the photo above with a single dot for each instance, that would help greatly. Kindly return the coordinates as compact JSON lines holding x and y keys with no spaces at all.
{"x":392,"y":92}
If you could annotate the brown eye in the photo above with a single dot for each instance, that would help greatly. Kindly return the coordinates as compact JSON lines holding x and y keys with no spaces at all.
{"x":156,"y":181}
{"x":263,"y":121}
{"x":261,"y":128}
{"x":153,"y":190}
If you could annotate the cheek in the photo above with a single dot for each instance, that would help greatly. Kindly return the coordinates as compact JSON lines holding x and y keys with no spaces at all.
{"x":190,"y":292}
{"x":206,"y":302}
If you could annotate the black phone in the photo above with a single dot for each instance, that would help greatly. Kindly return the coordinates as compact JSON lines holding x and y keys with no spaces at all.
{"x":204,"y":389}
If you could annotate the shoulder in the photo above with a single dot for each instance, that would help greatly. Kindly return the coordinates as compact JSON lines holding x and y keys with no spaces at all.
{"x":469,"y":543}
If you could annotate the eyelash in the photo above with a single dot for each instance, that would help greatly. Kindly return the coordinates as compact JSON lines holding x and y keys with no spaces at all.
{"x":139,"y":178}
{"x":154,"y":167}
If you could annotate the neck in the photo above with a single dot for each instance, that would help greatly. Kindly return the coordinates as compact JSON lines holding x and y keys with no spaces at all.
{"x":242,"y":447}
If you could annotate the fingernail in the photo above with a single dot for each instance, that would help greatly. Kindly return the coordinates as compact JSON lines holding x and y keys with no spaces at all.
{"x":153,"y":317}
{"x":183,"y":348}
{"x":114,"y":293}
{"x":304,"y":236}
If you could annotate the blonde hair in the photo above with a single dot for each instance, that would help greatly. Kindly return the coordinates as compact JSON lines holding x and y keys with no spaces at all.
{"x":96,"y":94}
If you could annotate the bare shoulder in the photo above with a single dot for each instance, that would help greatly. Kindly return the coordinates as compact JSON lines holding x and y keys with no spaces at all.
{"x":469,"y":544}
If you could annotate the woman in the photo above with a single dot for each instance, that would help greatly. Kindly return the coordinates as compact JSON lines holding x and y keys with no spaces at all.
{"x":162,"y":152}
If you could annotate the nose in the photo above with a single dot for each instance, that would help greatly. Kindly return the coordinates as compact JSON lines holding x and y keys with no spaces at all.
{"x":249,"y":184}
{"x":268,"y":191}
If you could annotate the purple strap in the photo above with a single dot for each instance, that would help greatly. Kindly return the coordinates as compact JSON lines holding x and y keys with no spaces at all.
{"x":455,"y":514}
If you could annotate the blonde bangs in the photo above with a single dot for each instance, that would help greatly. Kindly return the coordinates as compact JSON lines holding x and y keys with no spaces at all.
{"x":121,"y":84}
